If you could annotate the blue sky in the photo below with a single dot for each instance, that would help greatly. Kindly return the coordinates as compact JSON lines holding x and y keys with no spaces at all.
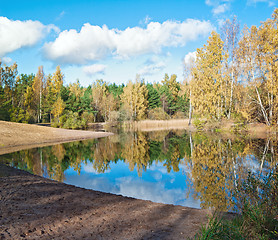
{"x":115,"y":40}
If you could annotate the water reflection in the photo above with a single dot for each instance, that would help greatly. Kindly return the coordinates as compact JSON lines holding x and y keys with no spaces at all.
{"x":167,"y":166}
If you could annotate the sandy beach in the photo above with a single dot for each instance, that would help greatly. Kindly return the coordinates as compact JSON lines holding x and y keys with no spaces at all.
{"x":18,"y":136}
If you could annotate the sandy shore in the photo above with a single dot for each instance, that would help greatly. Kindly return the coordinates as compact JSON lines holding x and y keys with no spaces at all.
{"x":33,"y":207}
{"x":18,"y":136}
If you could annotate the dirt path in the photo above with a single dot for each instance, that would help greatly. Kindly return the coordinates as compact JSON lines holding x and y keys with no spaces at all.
{"x":33,"y":207}
{"x":18,"y":136}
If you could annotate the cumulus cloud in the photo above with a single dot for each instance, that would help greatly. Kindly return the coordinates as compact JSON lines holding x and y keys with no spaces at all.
{"x":94,"y":43}
{"x":94,"y":69}
{"x":18,"y":34}
{"x":219,"y":6}
{"x":189,"y":58}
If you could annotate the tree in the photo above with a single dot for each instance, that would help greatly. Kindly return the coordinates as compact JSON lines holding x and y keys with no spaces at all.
{"x":230,"y":32}
{"x":134,"y":99}
{"x":7,"y":82}
{"x":58,"y":109}
{"x":104,"y":101}
{"x":38,"y":88}
{"x":208,"y":86}
{"x":169,"y":93}
{"x":258,"y":53}
{"x":153,"y":97}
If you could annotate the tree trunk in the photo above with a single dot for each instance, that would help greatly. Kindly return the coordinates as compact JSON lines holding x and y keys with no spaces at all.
{"x":190,"y":109}
{"x":262,"y":107}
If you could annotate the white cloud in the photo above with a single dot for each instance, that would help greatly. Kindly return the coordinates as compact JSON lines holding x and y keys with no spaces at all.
{"x":220,"y":9}
{"x":6,"y":60}
{"x":219,"y":6}
{"x":254,"y":2}
{"x":94,"y":69}
{"x":91,"y":43}
{"x":19,"y":34}
{"x":95,"y":43}
{"x":189,"y":58}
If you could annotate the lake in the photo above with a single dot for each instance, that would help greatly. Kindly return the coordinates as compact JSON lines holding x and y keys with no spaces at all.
{"x":175,"y":167}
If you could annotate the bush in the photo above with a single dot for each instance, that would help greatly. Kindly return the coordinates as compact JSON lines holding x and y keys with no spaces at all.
{"x":158,"y":114}
{"x":71,"y":120}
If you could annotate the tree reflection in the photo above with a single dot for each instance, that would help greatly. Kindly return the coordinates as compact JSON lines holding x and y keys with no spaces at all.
{"x":218,"y":164}
{"x":136,"y":151}
{"x":215,"y":164}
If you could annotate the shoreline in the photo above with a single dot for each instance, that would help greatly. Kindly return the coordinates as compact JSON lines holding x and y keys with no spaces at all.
{"x":20,"y":136}
{"x":33,"y":207}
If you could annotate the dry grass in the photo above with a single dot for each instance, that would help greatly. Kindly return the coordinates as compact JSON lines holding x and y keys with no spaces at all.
{"x":157,"y":125}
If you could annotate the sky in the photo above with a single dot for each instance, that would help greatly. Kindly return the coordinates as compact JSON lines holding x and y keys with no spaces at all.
{"x":115,"y":40}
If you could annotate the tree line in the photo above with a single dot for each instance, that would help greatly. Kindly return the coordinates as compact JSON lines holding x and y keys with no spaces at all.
{"x":234,"y":76}
{"x":45,"y":98}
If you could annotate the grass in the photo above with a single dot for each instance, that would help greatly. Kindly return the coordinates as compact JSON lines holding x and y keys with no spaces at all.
{"x":148,"y":125}
{"x":257,"y":207}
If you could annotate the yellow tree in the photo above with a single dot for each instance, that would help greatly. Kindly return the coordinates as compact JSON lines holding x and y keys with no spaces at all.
{"x":208,"y":86}
{"x":230,"y":32}
{"x":135,"y":99}
{"x":57,"y":81}
{"x":58,"y":109}
{"x":104,"y":101}
{"x":38,"y":88}
{"x":257,"y":53}
{"x":268,"y":41}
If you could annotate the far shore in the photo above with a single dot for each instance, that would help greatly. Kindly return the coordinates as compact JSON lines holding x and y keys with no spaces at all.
{"x":225,"y":128}
{"x":19,"y":136}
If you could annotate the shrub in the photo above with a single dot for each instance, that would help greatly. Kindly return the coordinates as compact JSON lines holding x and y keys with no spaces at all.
{"x":158,"y":114}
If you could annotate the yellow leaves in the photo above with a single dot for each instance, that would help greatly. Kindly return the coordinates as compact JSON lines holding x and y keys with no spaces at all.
{"x":102,"y":99}
{"x":58,"y":107}
{"x":57,"y":80}
{"x":208,"y":87}
{"x":136,"y":152}
{"x":134,"y":99}
{"x":75,"y":89}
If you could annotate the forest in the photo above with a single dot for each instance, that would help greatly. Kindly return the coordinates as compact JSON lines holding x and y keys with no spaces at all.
{"x":234,"y":76}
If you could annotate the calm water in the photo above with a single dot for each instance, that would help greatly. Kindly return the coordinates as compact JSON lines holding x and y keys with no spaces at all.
{"x":173,"y":167}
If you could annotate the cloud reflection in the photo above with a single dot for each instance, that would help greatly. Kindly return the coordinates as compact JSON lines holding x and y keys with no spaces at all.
{"x":154,"y":185}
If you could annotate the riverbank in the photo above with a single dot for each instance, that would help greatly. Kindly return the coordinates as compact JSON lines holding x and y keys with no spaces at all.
{"x":226,"y":127}
{"x":18,"y":136}
{"x":33,"y":207}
